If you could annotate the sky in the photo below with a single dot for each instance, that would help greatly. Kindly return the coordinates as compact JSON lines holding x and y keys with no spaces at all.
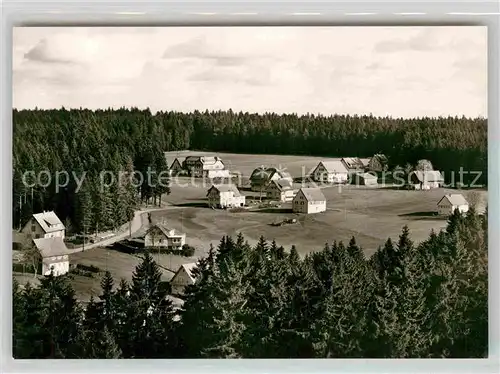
{"x":385,"y":71}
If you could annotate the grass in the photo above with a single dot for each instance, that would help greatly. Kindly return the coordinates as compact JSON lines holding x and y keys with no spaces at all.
{"x":370,"y":214}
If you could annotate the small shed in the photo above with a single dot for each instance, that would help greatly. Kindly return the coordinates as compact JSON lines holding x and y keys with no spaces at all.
{"x":451,"y":202}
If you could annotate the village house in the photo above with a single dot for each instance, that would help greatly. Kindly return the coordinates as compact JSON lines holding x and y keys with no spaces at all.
{"x":353,"y":164}
{"x":378,"y":163}
{"x":426,"y":180}
{"x":205,"y":166}
{"x":309,"y":200}
{"x":280,"y":190}
{"x":225,"y":196}
{"x":451,"y":202}
{"x":176,"y":167}
{"x":44,"y":225}
{"x":54,"y":255}
{"x":364,"y":179}
{"x":262,"y":176}
{"x":330,"y":172}
{"x":183,"y":277}
{"x":161,"y":236}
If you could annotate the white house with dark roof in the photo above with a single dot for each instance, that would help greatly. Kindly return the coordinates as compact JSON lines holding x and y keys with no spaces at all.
{"x":451,"y":202}
{"x":54,"y":255}
{"x":44,"y":225}
{"x":225,"y":196}
{"x":183,"y":277}
{"x":281,"y":190}
{"x":330,"y":172}
{"x":309,"y":200}
{"x":161,"y":236}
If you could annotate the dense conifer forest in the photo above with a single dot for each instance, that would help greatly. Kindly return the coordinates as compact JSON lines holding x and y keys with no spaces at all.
{"x":127,"y":140}
{"x":407,"y":300}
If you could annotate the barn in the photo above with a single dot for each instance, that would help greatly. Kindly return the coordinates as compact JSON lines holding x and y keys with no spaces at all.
{"x":426,"y":180}
{"x":451,"y":202}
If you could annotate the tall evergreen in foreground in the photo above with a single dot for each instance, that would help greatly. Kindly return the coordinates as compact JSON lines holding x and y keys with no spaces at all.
{"x":406,"y":301}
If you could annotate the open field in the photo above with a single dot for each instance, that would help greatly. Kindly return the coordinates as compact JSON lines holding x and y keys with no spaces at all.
{"x":370,"y":214}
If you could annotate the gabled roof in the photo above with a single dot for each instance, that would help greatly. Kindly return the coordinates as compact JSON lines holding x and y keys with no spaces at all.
{"x":365,"y":161}
{"x":225,"y":188}
{"x":428,"y":176}
{"x":168,"y":232}
{"x":49,"y":221}
{"x":455,"y":199}
{"x":179,"y":160}
{"x":188,"y":268}
{"x":50,"y":247}
{"x":334,"y":166}
{"x":352,"y":163}
{"x":282,"y":184}
{"x":313,"y":194}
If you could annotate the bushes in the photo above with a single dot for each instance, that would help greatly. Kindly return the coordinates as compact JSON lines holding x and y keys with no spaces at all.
{"x":187,"y":250}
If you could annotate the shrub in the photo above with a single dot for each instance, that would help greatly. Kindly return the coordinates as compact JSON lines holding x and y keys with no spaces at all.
{"x":187,"y":250}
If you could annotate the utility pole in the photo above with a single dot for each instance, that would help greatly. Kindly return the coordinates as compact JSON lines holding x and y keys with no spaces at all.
{"x":83,"y":250}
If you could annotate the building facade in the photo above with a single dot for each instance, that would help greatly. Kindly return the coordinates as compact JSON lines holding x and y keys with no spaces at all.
{"x":44,"y":225}
{"x":451,"y":202}
{"x":183,"y":277}
{"x":263,"y":176}
{"x":54,"y":255}
{"x":426,"y":180}
{"x":161,"y":236}
{"x":198,"y":166}
{"x":330,"y":172}
{"x":309,"y":201}
{"x":364,"y":179}
{"x":225,"y":196}
{"x":280,"y":190}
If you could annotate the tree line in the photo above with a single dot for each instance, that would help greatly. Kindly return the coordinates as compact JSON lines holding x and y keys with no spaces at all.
{"x":130,"y":140}
{"x":406,"y":301}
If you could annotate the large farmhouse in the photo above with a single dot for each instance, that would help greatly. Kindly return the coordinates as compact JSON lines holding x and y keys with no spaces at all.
{"x":330,"y":172}
{"x":183,"y":277}
{"x":426,"y":180}
{"x":280,"y":190}
{"x":225,"y":196}
{"x":262,"y":176}
{"x":44,"y":225}
{"x":205,"y":166}
{"x":161,"y":236}
{"x":451,"y":202}
{"x":54,"y":255}
{"x":309,"y":200}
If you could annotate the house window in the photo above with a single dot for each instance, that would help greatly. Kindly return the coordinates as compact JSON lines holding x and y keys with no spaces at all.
{"x":33,"y":227}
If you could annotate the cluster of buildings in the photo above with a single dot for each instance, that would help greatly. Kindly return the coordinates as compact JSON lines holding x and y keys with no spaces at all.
{"x":200,"y":167}
{"x":47,"y":232}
